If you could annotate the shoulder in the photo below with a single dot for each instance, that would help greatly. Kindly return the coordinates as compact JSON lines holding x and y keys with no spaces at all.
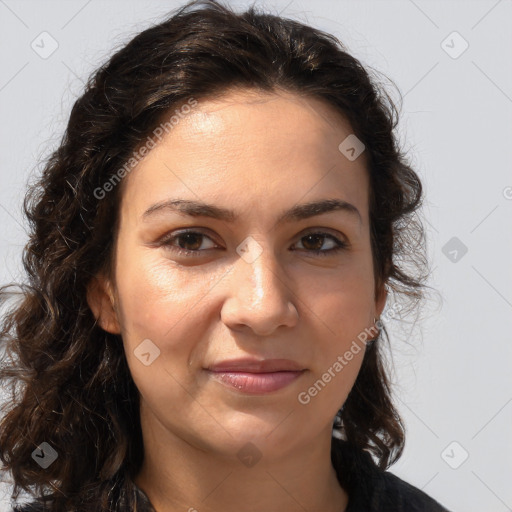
{"x":372,"y":489}
{"x":394,"y":494}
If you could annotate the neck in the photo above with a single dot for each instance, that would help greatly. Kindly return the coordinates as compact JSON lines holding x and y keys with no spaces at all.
{"x":179,"y":476}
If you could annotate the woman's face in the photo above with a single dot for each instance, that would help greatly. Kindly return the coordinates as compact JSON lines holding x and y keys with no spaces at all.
{"x":251,"y":285}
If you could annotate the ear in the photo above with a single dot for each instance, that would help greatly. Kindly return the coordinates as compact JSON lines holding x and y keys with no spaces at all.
{"x":102,"y":303}
{"x":380,"y":300}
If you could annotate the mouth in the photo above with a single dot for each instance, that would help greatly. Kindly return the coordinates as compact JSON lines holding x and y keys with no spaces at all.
{"x":256,"y":376}
{"x":256,"y":383}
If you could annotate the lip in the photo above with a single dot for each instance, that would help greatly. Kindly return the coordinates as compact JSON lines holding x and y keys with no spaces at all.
{"x":256,"y":366}
{"x":256,"y":383}
{"x":256,"y":376}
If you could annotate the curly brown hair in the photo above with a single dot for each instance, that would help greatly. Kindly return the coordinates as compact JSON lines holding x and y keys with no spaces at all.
{"x":69,"y":379}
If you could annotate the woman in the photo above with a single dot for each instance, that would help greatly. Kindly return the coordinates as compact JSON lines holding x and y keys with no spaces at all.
{"x":164,"y":374}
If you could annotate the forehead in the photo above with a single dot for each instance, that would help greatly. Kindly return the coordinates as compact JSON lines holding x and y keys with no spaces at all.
{"x":249,"y":149}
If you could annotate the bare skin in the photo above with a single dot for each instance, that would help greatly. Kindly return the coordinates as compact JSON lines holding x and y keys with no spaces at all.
{"x":257,"y":154}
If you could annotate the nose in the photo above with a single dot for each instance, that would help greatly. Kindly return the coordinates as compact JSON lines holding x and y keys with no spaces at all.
{"x":259,"y":297}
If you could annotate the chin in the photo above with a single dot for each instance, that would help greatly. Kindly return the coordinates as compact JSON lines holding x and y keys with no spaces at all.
{"x":274,"y":436}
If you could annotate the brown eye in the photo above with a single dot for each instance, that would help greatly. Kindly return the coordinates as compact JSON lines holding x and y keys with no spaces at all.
{"x":192,"y":240}
{"x":188,"y":242}
{"x":313,"y":242}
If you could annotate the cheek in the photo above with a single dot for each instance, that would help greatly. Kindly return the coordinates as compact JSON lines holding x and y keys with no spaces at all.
{"x":344,"y":301}
{"x":160,"y":311}
{"x":342,"y":312}
{"x":338,"y":352}
{"x":323,"y":394}
{"x":161,"y":302}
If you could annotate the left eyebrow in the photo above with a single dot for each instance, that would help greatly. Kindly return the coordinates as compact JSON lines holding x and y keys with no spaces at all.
{"x":296,"y":213}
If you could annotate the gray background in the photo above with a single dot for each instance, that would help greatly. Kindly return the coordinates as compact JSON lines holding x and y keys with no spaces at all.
{"x":451,"y":368}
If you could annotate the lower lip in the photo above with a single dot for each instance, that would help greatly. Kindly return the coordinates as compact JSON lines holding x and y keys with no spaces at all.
{"x":256,"y":382}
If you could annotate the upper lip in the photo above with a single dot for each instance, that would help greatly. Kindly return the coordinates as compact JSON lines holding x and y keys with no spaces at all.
{"x":257,"y":365}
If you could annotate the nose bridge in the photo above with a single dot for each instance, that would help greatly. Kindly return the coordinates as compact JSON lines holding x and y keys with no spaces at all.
{"x":257,"y":270}
{"x":258,"y":296}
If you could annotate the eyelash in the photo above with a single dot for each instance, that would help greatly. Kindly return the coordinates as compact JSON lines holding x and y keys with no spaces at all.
{"x":167,"y":242}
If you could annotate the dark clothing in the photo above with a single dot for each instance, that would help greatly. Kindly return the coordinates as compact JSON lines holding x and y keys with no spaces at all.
{"x":369,"y":488}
